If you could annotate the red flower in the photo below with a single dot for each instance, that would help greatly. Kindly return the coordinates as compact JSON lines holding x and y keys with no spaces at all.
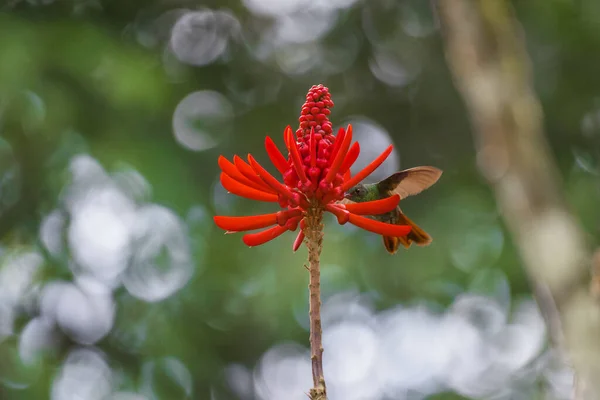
{"x":316,"y":174}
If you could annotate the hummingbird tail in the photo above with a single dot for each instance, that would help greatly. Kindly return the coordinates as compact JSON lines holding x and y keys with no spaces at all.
{"x":416,"y":235}
{"x":391,"y":244}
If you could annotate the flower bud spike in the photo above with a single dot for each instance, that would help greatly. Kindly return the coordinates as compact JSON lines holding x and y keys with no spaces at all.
{"x":313,"y":148}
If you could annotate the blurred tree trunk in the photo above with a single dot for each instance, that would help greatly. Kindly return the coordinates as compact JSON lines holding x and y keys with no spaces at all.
{"x":492,"y":71}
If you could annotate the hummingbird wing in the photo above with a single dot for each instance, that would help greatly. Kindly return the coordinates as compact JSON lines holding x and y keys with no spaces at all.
{"x":410,"y":181}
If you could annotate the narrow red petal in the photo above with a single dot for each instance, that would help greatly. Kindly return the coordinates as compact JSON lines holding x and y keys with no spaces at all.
{"x":242,"y":190}
{"x":230,"y":169}
{"x":275,"y":155}
{"x":374,"y":207}
{"x":341,"y":154}
{"x":381,"y":228}
{"x":248,"y":223}
{"x":249,"y":173}
{"x":256,"y":239}
{"x":293,"y":149}
{"x":347,"y":175}
{"x":341,"y":214}
{"x":270,"y":179}
{"x":368,"y":224}
{"x":298,"y":241}
{"x":368,"y":169}
{"x":338,"y":141}
{"x":351,"y":158}
{"x":313,"y":148}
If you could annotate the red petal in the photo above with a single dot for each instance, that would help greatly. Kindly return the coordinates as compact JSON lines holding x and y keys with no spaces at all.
{"x":249,"y":173}
{"x":300,"y":238}
{"x":341,"y":214}
{"x":368,"y":169}
{"x":347,"y":175}
{"x":368,"y":224}
{"x":338,"y":141}
{"x":256,"y":239}
{"x":298,"y":241}
{"x":242,"y":190}
{"x":270,"y":179}
{"x":238,"y":224}
{"x":381,"y":228}
{"x":275,"y":155}
{"x":374,"y":207}
{"x":350,"y":158}
{"x":293,"y":149}
{"x":230,"y":169}
{"x":341,"y":154}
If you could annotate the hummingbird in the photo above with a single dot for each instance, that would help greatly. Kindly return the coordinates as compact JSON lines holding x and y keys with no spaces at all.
{"x":404,"y":183}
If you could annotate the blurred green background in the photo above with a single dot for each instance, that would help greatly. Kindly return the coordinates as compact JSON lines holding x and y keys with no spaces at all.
{"x":114,"y":282}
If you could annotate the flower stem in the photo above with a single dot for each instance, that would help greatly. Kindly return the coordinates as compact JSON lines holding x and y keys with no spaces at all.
{"x":313,"y":231}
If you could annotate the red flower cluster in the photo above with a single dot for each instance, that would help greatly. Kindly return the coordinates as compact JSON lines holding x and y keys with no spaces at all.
{"x":316,"y":174}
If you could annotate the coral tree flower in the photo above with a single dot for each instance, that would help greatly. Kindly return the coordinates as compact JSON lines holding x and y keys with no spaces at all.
{"x":316,"y":174}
